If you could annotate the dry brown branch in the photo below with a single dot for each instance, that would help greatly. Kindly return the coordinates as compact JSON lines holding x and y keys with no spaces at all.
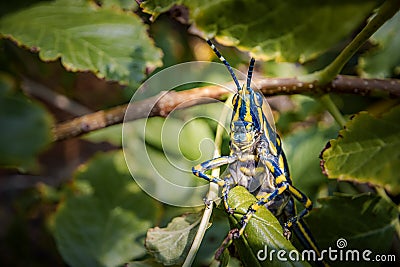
{"x":165,"y":102}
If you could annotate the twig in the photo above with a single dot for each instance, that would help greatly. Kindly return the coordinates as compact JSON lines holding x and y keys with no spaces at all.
{"x":159,"y":105}
{"x":166,"y":102}
{"x":341,"y":84}
{"x":212,"y":193}
{"x":385,"y":12}
{"x":58,"y":100}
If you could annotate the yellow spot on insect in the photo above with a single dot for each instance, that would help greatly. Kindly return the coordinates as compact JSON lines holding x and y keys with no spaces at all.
{"x":260,"y":169}
{"x":247,"y":171}
{"x":197,"y":168}
{"x":308,"y":203}
{"x":249,"y":137}
{"x":236,"y":117}
{"x":296,"y":192}
{"x":221,"y":183}
{"x":234,"y":99}
{"x":273,"y":148}
{"x":255,"y":207}
{"x":260,"y":116}
{"x":281,"y":162}
{"x":270,"y":167}
{"x":281,"y":178}
{"x":241,"y":231}
{"x":218,"y":161}
{"x":248,"y":117}
{"x":281,"y":190}
{"x":263,"y":196}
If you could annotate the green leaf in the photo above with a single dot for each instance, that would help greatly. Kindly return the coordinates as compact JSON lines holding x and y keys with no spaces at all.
{"x":170,"y":245}
{"x":26,"y":128}
{"x":281,"y":30}
{"x":103,"y":224}
{"x":112,"y":44}
{"x":367,"y":150}
{"x":263,"y":232}
{"x":385,"y":60}
{"x":303,"y":149}
{"x":365,"y":221}
{"x":123,"y":4}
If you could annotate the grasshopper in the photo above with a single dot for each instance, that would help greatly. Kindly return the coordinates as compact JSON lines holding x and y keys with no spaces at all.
{"x":258,"y":163}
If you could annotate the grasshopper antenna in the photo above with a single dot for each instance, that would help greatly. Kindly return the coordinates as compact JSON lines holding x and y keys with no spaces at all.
{"x":226,"y":64}
{"x":250,"y":73}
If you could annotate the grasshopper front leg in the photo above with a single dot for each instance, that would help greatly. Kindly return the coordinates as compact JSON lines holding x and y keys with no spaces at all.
{"x":200,"y":171}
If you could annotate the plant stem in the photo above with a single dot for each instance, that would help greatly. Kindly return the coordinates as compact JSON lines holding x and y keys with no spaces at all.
{"x":385,"y":12}
{"x":213,"y":190}
{"x":333,"y":109}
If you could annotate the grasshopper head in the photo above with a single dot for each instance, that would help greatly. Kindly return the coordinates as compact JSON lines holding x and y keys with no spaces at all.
{"x":244,"y":125}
